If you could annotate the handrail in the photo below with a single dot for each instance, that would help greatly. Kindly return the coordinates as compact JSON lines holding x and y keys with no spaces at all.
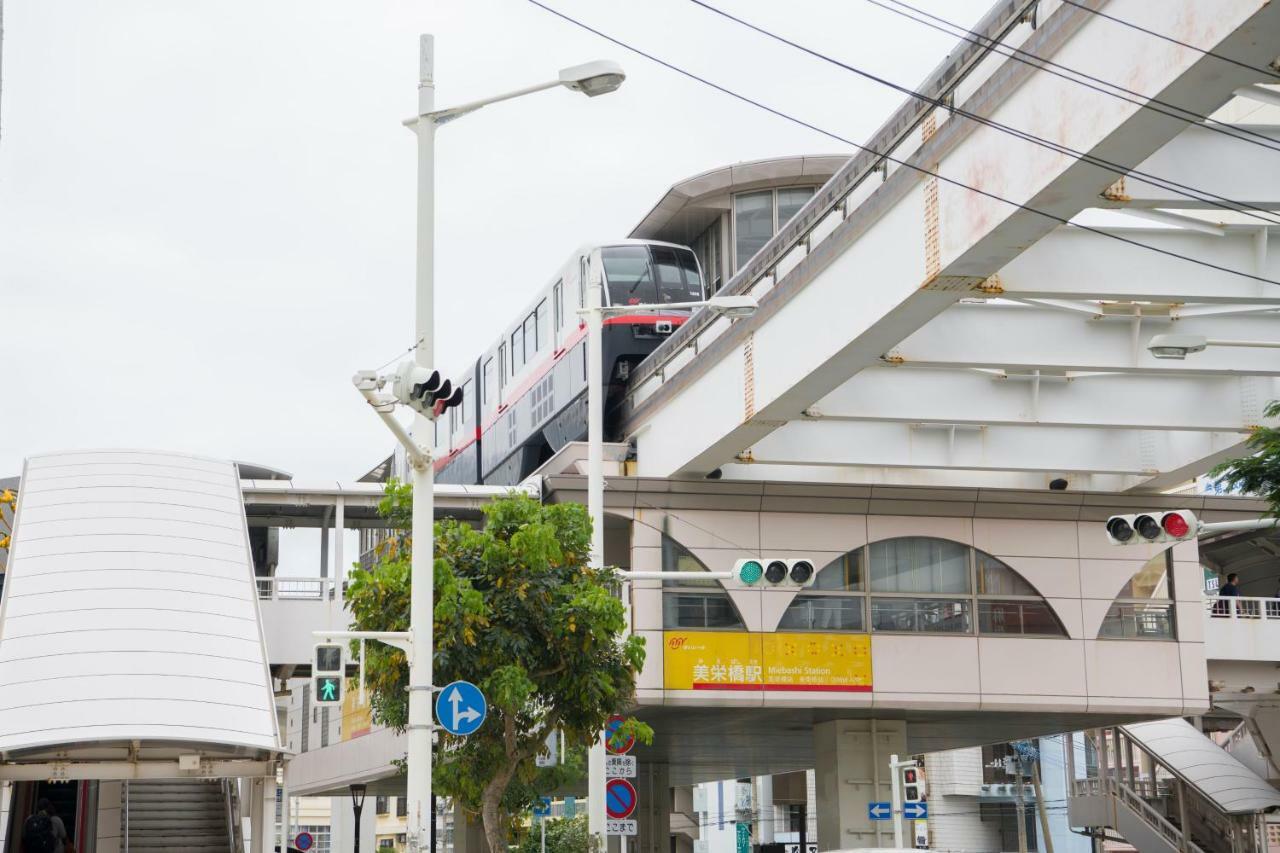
{"x":1242,"y":607}
{"x":937,"y":89}
{"x":231,"y":798}
{"x":276,"y":588}
{"x":126,"y":816}
{"x":1153,"y":818}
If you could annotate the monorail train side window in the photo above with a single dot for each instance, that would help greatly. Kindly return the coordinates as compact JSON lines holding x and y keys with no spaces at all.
{"x":517,"y":350}
{"x":486,"y":379}
{"x":530,"y":337}
{"x":544,"y":331}
{"x":557,"y":304}
{"x":467,"y":403}
{"x":502,"y":366}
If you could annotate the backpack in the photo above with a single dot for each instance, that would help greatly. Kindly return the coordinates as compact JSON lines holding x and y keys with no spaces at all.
{"x":37,"y":834}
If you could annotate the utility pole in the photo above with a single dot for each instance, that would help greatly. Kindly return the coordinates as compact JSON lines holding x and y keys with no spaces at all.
{"x":1041,"y":808}
{"x":1020,"y":806}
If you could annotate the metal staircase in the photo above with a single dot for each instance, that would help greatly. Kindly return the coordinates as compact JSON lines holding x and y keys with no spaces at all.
{"x":180,"y":814}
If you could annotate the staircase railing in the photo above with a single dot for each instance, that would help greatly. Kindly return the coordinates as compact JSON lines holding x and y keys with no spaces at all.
{"x":231,"y":797}
{"x":125,"y":816}
{"x":1149,"y":814}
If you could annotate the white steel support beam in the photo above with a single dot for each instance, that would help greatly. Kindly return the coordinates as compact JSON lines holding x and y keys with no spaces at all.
{"x":1024,"y":338}
{"x":1141,"y":453}
{"x":917,"y":245}
{"x":1071,"y":263}
{"x":974,"y":398}
{"x":1213,"y":164}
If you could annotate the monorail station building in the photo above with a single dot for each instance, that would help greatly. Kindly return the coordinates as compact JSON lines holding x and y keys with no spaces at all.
{"x":938,"y":403}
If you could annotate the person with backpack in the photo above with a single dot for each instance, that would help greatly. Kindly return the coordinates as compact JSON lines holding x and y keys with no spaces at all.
{"x":44,"y":831}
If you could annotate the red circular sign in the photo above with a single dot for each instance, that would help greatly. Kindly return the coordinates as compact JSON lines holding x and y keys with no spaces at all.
{"x":619,"y":799}
{"x":303,"y":841}
{"x":615,"y":742}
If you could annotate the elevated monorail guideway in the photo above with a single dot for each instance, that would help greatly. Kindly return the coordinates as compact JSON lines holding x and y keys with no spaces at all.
{"x":130,"y":640}
{"x":861,"y":290}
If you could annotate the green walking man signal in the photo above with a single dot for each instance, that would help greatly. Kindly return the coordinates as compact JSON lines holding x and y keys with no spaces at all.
{"x":327,"y":673}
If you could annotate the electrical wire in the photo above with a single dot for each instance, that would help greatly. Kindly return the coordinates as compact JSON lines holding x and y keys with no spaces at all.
{"x":399,"y":356}
{"x":890,"y":158}
{"x":1259,"y":213}
{"x":1165,"y":108}
{"x":1122,"y":22}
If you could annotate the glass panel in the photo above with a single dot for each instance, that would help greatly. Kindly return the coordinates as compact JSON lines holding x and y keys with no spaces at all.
{"x":823,"y":613}
{"x":995,"y":578}
{"x":544,"y":328}
{"x":919,"y":564}
{"x":466,"y":403}
{"x":692,"y":280}
{"x":676,"y":558}
{"x":557,"y":299}
{"x":790,"y":201}
{"x":920,"y":614}
{"x":1138,"y":621}
{"x":752,"y":224}
{"x":1151,"y":581}
{"x":629,"y":275}
{"x":697,"y":610}
{"x":1018,"y":617}
{"x":530,"y":337}
{"x":517,"y":350}
{"x":842,"y":573}
{"x":487,"y":391}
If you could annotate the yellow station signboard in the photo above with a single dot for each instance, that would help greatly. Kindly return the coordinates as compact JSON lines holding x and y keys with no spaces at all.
{"x":739,"y":660}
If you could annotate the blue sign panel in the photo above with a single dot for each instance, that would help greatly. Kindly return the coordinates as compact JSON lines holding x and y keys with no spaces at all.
{"x":915,"y":811}
{"x":303,"y":841}
{"x":460,"y":708}
{"x":543,"y":810}
{"x":879,"y":811}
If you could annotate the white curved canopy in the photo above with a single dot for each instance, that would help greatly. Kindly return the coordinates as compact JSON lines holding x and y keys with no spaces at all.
{"x":130,"y":614}
{"x":1218,"y":774}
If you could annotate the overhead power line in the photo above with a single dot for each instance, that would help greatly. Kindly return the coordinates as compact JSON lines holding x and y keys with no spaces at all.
{"x":884,"y":155}
{"x":1267,"y":72}
{"x":1120,"y":169}
{"x":1075,"y":75}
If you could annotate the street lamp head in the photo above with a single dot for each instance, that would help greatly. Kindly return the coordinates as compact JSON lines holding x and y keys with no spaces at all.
{"x":594,"y":78}
{"x":357,"y":794}
{"x":733,"y":307}
{"x":1176,"y":346}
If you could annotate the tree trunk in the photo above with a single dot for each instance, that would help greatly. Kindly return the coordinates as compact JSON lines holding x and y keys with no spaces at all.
{"x":495,"y":828}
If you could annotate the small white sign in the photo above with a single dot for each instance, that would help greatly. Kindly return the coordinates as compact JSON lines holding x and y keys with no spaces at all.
{"x":620,"y":766}
{"x":620,"y":827}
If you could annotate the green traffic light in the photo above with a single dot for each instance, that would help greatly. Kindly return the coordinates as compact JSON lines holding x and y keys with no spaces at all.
{"x":751,"y":572}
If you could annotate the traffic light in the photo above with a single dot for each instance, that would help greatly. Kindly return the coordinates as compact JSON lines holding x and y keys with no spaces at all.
{"x":423,"y":390}
{"x":327,"y":674}
{"x":795,"y":572}
{"x":1176,"y":525}
{"x":912,"y":784}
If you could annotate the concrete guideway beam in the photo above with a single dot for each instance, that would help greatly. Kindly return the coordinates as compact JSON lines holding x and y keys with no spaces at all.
{"x":1024,"y":338}
{"x":850,"y":300}
{"x":1210,"y":162}
{"x":974,"y":398}
{"x":1071,"y":263}
{"x":1142,"y":453}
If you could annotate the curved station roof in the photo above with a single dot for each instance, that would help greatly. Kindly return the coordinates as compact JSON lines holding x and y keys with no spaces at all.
{"x":130,"y":614}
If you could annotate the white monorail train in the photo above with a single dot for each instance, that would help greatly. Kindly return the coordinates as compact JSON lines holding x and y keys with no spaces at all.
{"x":524,"y":397}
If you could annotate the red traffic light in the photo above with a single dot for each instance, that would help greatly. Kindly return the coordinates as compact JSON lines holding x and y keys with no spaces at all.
{"x":1175,"y":525}
{"x":910,"y":775}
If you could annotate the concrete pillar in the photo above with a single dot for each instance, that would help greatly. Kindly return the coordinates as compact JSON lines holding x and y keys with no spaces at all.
{"x":853,"y":770}
{"x":6,"y":797}
{"x":765,"y":823}
{"x":468,"y":833}
{"x":262,"y":815}
{"x":653,"y":809}
{"x":109,"y":825}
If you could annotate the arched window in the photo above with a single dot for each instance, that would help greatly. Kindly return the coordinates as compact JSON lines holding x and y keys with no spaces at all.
{"x":691,"y":603}
{"x":1143,"y":610}
{"x":921,"y":584}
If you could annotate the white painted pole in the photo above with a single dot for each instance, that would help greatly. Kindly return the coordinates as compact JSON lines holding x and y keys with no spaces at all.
{"x":895,"y":801}
{"x":595,"y":509}
{"x":543,"y":821}
{"x":421,"y":604}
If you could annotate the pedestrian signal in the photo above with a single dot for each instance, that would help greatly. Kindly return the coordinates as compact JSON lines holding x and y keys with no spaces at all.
{"x":328,"y":689}
{"x":912,"y":785}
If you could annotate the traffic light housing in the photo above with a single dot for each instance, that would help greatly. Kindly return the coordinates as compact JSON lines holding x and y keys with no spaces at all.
{"x":912,"y":784}
{"x":327,"y":674}
{"x":424,"y":390}
{"x":1176,"y":525}
{"x":783,"y":572}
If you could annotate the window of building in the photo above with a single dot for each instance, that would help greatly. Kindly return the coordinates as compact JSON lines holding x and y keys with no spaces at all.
{"x":921,"y":584}
{"x":757,"y":216}
{"x":320,"y":835}
{"x":707,"y":247}
{"x":693,"y":603}
{"x":382,"y":805}
{"x":1143,"y":610}
{"x":386,"y":843}
{"x":402,"y":806}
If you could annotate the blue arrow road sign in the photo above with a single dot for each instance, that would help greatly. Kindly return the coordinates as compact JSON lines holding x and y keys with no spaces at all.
{"x":915,"y":811}
{"x":460,"y":708}
{"x":879,"y":811}
{"x":543,"y":810}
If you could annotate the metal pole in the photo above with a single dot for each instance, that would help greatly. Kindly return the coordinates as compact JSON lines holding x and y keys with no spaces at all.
{"x":595,"y":509}
{"x":543,"y":823}
{"x":895,"y":801}
{"x":803,"y":846}
{"x":1041,"y":808}
{"x":435,"y":817}
{"x":421,"y":605}
{"x":1020,"y":809}
{"x":357,"y":809}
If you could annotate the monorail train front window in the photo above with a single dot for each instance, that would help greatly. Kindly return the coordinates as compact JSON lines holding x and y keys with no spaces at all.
{"x":651,"y":275}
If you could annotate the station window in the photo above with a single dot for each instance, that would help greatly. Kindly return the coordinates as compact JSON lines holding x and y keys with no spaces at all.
{"x":692,"y":603}
{"x":921,"y":584}
{"x":707,"y":247}
{"x":1143,"y":610}
{"x":757,"y":216}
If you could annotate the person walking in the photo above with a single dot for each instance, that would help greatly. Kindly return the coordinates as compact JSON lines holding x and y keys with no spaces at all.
{"x":1231,"y":587}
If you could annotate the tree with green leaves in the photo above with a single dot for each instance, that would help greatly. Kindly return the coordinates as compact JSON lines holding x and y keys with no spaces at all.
{"x":519,"y":613}
{"x":1259,"y":472}
{"x":564,"y":835}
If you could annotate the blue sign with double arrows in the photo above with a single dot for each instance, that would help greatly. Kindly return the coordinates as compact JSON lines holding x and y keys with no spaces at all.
{"x":879,"y":811}
{"x":543,"y":809}
{"x":915,"y":811}
{"x":460,"y":708}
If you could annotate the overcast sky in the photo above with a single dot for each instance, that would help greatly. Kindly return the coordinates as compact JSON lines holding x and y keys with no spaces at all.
{"x":207,"y":208}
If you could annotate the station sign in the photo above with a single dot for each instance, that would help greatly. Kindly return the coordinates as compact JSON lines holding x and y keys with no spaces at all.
{"x":620,"y":766}
{"x":742,"y":660}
